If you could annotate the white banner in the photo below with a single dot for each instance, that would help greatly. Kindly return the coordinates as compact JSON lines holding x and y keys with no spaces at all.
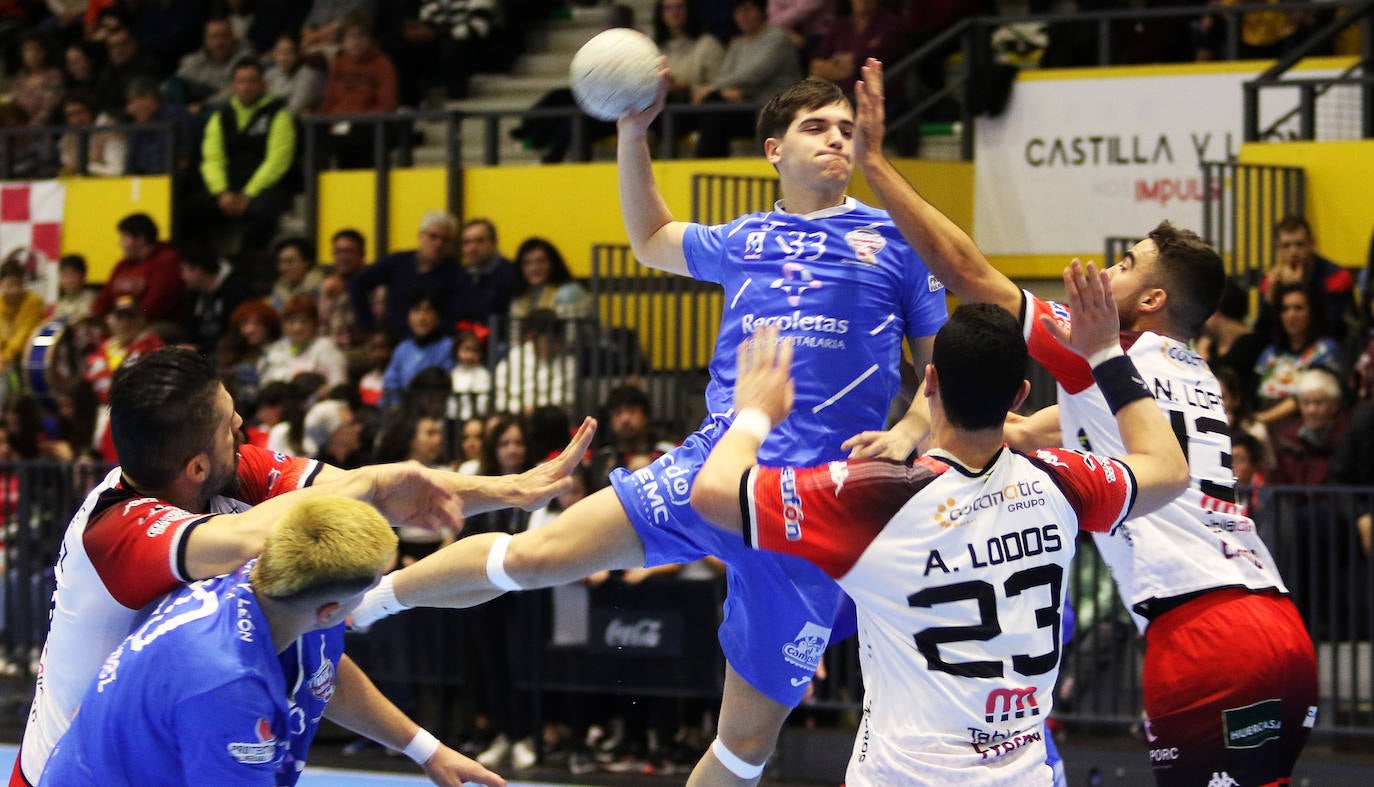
{"x":1075,"y":159}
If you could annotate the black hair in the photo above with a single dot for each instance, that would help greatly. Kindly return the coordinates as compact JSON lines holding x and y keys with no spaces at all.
{"x":1193,"y":276}
{"x":808,"y":94}
{"x":393,"y":443}
{"x":492,"y":436}
{"x":247,"y":61}
{"x":691,"y":26}
{"x":1316,"y":324}
{"x":1292,"y":223}
{"x":1234,"y":301}
{"x":480,"y":222}
{"x":353,"y":235}
{"x":74,"y":262}
{"x":200,"y":257}
{"x":626,"y":396}
{"x":558,"y":267}
{"x":12,"y":269}
{"x":138,"y":225}
{"x":162,"y":413}
{"x":302,"y":246}
{"x":980,"y":359}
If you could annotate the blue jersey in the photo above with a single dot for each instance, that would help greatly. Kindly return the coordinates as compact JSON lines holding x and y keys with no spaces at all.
{"x":198,"y":695}
{"x":843,"y":286}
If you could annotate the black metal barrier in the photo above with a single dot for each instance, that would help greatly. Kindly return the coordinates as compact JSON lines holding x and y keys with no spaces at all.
{"x":1242,"y":204}
{"x":657,"y":639}
{"x":39,"y":152}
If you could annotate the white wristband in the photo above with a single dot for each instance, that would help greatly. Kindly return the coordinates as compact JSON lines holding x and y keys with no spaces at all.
{"x":1105,"y":354}
{"x":421,"y":747}
{"x":754,"y":422}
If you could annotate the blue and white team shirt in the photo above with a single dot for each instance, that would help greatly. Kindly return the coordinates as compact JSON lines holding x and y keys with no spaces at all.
{"x":120,"y":554}
{"x":198,"y":695}
{"x":958,"y":575}
{"x":844,"y":287}
{"x":1201,"y":541}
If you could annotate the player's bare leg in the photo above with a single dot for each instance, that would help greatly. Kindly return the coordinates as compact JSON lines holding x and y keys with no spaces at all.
{"x":748,"y":729}
{"x":593,"y":535}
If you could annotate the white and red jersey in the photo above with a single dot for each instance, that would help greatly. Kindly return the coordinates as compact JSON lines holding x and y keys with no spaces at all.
{"x":1202,"y":540}
{"x":120,"y":553}
{"x":958,"y":576}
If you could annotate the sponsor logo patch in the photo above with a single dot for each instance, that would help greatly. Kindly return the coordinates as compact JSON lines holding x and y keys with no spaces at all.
{"x":1254,"y":725}
{"x":806,"y":650}
{"x":1005,"y":704}
{"x":260,"y":752}
{"x":792,"y":515}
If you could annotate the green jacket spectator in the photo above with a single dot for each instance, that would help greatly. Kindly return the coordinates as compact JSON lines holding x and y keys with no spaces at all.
{"x":248,"y":148}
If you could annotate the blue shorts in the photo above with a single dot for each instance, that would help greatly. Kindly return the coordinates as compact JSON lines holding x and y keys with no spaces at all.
{"x":780,"y":611}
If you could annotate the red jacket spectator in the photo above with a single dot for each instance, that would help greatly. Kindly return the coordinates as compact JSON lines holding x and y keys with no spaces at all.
{"x":361,"y":78}
{"x":150,"y":273}
{"x":154,"y":280}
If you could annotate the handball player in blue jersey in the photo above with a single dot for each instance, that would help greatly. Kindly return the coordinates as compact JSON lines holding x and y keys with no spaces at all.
{"x":226,"y":681}
{"x":838,"y":282}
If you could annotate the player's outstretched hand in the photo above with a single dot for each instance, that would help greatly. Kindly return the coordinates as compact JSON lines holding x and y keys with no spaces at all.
{"x":410,"y":493}
{"x":764,"y":378}
{"x":869,"y":113}
{"x":636,"y":124}
{"x":448,"y":768}
{"x":1096,"y":324}
{"x":537,"y":486}
{"x":896,"y":443}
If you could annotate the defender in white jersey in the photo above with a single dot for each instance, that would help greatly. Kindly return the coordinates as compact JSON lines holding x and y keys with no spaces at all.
{"x":839,"y":282}
{"x":190,"y":501}
{"x":956,"y":564}
{"x":1230,"y":677}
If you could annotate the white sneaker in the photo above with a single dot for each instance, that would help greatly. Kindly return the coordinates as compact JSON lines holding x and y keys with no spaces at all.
{"x":496,"y":753}
{"x":523,"y":755}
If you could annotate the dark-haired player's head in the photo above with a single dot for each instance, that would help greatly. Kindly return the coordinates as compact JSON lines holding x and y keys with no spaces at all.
{"x":1170,"y":282}
{"x":169,"y":417}
{"x":808,"y":94}
{"x":1193,"y":273}
{"x":980,"y":362}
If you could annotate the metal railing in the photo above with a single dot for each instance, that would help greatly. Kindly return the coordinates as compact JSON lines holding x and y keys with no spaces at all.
{"x":35,"y":152}
{"x":1241,"y":205}
{"x":973,"y":37}
{"x":1311,"y":89}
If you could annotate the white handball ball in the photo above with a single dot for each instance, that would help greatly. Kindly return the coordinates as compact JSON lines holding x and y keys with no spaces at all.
{"x":614,"y":73}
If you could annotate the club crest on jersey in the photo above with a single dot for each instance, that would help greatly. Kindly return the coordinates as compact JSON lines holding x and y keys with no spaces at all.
{"x":806,"y":650}
{"x":261,"y":752}
{"x":322,"y":682}
{"x":866,"y":243}
{"x":753,"y":245}
{"x":795,"y":280}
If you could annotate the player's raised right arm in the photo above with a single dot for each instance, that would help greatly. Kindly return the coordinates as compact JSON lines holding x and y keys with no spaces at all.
{"x":946,"y":249}
{"x":655,"y":238}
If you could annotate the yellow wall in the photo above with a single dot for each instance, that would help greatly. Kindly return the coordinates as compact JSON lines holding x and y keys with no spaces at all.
{"x":95,"y":205}
{"x":574,"y":205}
{"x":1339,"y":175}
